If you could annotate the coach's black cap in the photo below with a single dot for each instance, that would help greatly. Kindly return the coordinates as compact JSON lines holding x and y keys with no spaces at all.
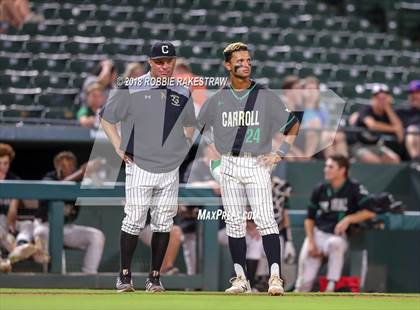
{"x":162,"y":50}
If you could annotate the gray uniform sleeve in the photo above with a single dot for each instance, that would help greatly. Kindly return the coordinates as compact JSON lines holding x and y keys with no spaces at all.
{"x":207,"y":114}
{"x":189,"y":117}
{"x":117,"y":106}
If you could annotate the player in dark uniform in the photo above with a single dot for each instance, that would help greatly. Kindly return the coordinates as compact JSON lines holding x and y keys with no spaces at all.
{"x":245,"y":116}
{"x":335,"y":204}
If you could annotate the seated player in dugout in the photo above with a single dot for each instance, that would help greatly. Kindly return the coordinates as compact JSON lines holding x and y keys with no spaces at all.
{"x":335,"y":205}
{"x":16,"y":227}
{"x":89,"y":239}
{"x":245,"y":116}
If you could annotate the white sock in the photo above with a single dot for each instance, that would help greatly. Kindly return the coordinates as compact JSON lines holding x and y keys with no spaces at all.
{"x":275,"y":270}
{"x":330,"y":286}
{"x":239,"y":270}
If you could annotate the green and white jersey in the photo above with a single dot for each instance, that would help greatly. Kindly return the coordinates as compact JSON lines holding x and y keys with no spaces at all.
{"x":245,"y":130}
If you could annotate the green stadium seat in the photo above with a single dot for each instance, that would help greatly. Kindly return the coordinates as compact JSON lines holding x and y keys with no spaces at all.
{"x":296,"y":56}
{"x":50,"y":12}
{"x":268,"y":71}
{"x":82,"y":14}
{"x":257,"y":5}
{"x":241,"y":5}
{"x":378,"y":76}
{"x":275,"y":7}
{"x":236,"y":37}
{"x":181,"y":34}
{"x":318,"y":23}
{"x":218,"y":36}
{"x":342,"y":74}
{"x":37,"y":47}
{"x":14,"y":81}
{"x":80,"y":66}
{"x":30,"y":28}
{"x":349,"y":90}
{"x":144,"y":33}
{"x":6,"y":99}
{"x":53,"y":81}
{"x":260,"y":55}
{"x":65,"y":13}
{"x":256,"y":37}
{"x":21,"y":99}
{"x":69,"y":30}
{"x":158,"y":16}
{"x":56,"y":100}
{"x":59,"y":113}
{"x":12,"y":46}
{"x":24,"y":112}
{"x":138,"y":16}
{"x":77,"y":81}
{"x":87,"y":30}
{"x":119,"y":15}
{"x":76,"y":47}
{"x":14,"y":62}
{"x":404,"y":61}
{"x":183,"y":4}
{"x":290,"y":38}
{"x":49,"y":64}
{"x":305,"y":71}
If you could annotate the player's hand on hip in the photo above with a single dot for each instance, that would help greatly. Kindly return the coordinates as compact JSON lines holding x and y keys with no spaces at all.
{"x":123,"y":156}
{"x":269,"y":160}
{"x":341,"y":227}
{"x":313,"y":250}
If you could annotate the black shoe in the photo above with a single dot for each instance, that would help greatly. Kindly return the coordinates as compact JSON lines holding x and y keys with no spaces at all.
{"x":153,"y":284}
{"x":124,"y":283}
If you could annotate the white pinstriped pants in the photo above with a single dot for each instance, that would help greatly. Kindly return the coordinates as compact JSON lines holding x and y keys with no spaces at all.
{"x":245,"y":182}
{"x":332,"y":246}
{"x":144,"y":190}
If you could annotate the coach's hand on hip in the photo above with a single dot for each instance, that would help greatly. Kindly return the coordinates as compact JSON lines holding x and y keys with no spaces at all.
{"x":123,"y":156}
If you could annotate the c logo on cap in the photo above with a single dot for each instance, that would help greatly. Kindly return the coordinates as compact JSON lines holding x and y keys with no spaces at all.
{"x":165,"y":49}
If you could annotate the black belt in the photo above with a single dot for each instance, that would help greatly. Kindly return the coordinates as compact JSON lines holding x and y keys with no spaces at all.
{"x":241,"y":154}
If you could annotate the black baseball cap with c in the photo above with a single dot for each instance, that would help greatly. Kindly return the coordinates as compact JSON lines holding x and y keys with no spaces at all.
{"x":162,"y":49}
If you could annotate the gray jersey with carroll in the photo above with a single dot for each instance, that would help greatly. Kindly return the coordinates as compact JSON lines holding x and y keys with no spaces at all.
{"x":152,"y":124}
{"x":225,"y":112}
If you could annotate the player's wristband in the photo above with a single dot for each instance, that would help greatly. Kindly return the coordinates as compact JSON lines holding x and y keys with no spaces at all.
{"x":284,"y":149}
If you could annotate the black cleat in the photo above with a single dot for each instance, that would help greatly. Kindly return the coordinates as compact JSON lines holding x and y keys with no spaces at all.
{"x":124,"y":283}
{"x":153,"y":285}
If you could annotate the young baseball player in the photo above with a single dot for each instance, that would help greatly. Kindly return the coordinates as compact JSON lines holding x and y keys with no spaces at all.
{"x":154,"y":118}
{"x":245,"y":116}
{"x":89,"y":239}
{"x":335,"y":205}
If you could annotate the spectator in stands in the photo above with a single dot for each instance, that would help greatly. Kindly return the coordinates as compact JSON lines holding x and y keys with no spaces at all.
{"x":133,"y":70}
{"x":88,"y":115}
{"x":410,"y":117}
{"x":199,"y":92}
{"x":376,"y":119}
{"x":17,"y":13}
{"x":335,"y":205}
{"x":315,"y":116}
{"x":88,"y":239}
{"x":292,"y":97}
{"x":105,"y":73}
{"x":21,"y":247}
{"x":175,"y":239}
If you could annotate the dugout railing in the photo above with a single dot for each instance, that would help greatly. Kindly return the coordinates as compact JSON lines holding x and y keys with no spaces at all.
{"x":405,"y":226}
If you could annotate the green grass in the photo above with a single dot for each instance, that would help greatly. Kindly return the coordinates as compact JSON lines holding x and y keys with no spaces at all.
{"x":44,"y":299}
